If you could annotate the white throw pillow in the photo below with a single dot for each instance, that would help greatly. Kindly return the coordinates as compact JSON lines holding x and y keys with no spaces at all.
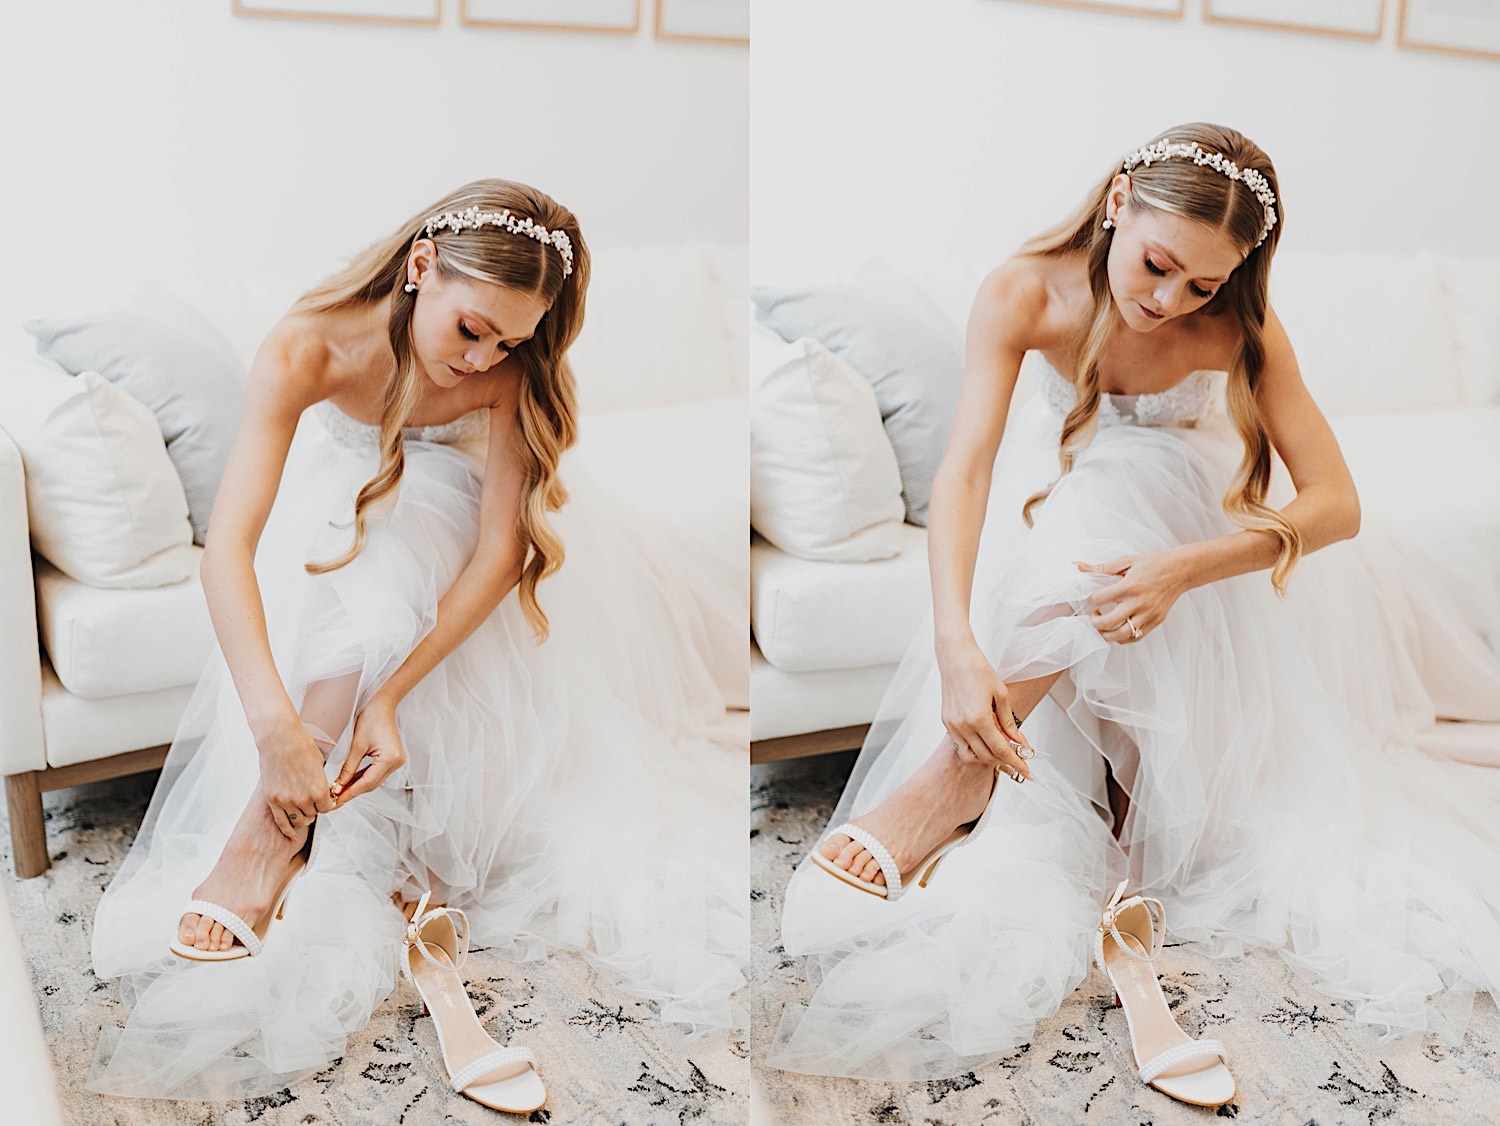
{"x":1472,"y":286}
{"x":823,"y":477}
{"x":1369,"y":330}
{"x":105,"y":504}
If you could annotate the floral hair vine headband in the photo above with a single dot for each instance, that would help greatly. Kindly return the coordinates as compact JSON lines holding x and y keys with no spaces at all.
{"x":1162,"y":150}
{"x":471,"y":218}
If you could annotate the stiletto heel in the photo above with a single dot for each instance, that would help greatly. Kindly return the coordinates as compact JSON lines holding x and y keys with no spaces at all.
{"x":1129,"y":937}
{"x":501,"y":1078}
{"x":892,"y":888}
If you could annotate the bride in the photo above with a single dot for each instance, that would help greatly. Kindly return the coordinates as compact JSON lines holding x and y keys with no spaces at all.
{"x":414,"y":698}
{"x":1272,"y":763}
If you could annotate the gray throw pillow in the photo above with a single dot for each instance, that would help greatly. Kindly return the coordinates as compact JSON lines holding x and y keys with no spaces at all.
{"x":193,"y":391}
{"x":914,"y":367}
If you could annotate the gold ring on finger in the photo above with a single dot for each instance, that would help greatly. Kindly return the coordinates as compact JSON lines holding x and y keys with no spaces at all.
{"x":1135,"y":633}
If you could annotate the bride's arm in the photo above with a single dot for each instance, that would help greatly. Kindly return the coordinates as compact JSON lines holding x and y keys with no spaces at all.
{"x":1326,"y":508}
{"x":491,"y":572}
{"x":1010,"y":303}
{"x":283,"y":381}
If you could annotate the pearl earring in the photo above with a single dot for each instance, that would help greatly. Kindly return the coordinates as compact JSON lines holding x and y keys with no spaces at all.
{"x":411,"y":287}
{"x":1109,"y":224}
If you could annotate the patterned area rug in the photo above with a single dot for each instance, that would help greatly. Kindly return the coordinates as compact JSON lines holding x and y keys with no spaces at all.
{"x":1297,"y":1059}
{"x":605,"y":1059}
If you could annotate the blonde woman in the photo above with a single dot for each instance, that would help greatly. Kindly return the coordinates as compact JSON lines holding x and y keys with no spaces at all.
{"x":1247,"y":749}
{"x":416,"y":693}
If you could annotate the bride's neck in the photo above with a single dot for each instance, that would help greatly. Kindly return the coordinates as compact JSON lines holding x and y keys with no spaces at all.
{"x":358,"y":339}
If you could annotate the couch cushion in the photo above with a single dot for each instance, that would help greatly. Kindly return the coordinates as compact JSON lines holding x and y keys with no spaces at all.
{"x":914,"y":366}
{"x":105,"y":502}
{"x":1472,"y":287}
{"x":193,"y":390}
{"x":796,"y":703}
{"x":812,"y":615}
{"x":654,"y":331}
{"x":1432,"y":475}
{"x":81,"y":730}
{"x":1371,"y":331}
{"x":823,"y":477}
{"x":685,"y":466}
{"x":112,"y":642}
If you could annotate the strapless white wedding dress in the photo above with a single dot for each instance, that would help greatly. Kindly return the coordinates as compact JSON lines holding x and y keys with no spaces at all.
{"x":583,"y":792}
{"x":1319,"y":773}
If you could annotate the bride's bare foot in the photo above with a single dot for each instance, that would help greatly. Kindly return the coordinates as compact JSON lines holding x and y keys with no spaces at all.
{"x":250,"y":871}
{"x":943,"y":794}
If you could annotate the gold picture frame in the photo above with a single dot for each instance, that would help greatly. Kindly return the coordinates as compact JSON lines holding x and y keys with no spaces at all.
{"x":609,"y":17}
{"x":1156,"y":9}
{"x":1453,"y":26}
{"x":703,"y":21}
{"x":345,"y":11}
{"x":1344,"y":19}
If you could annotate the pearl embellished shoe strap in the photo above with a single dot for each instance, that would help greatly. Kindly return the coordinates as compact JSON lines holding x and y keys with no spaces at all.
{"x":878,"y":851}
{"x":1162,"y":1061}
{"x":229,"y":921}
{"x":491,"y":1061}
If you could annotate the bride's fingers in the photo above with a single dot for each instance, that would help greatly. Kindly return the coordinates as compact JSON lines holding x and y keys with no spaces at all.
{"x":279,"y":815}
{"x":959,"y":744}
{"x":1002,"y":754}
{"x":368,"y":779}
{"x":356,"y":755}
{"x":1012,"y":730}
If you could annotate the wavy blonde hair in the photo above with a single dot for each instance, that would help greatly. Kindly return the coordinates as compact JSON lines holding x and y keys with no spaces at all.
{"x":548,"y":412}
{"x":1209,"y":197}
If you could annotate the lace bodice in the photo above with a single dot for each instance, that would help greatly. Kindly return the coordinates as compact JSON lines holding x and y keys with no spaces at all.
{"x":347,"y":431}
{"x":1182,"y":404}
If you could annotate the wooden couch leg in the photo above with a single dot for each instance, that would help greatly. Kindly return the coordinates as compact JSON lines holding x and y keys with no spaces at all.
{"x":28,"y":836}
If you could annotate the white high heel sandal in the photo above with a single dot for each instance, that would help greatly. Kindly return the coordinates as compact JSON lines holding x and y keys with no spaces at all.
{"x":893,"y":887}
{"x":502,"y":1078}
{"x":1130,"y":935}
{"x":251,"y":939}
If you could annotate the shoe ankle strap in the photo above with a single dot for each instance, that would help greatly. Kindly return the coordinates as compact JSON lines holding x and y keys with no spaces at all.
{"x":421,"y":919}
{"x":1109,"y":923}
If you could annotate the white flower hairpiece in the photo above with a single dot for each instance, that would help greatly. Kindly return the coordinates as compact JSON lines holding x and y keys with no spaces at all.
{"x":471,"y":218}
{"x":1252,"y":179}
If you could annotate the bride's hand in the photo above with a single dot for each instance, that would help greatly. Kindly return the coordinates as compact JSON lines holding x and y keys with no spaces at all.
{"x":292,"y":778}
{"x":1149,"y":585}
{"x":977,"y":715}
{"x":374,"y":752}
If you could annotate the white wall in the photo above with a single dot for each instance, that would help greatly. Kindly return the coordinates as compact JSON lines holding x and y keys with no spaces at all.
{"x":171,"y":139}
{"x":905,"y":130}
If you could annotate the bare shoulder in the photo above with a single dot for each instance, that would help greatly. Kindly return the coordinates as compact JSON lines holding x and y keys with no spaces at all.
{"x":293,"y":365}
{"x":502,"y":391}
{"x":1021,"y":303}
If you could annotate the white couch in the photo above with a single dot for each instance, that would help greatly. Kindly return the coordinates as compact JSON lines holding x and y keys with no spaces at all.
{"x":93,"y":682}
{"x":1402,"y":352}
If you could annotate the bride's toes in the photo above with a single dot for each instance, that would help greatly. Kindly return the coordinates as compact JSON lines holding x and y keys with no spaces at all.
{"x":834,"y":847}
{"x":852,"y":857}
{"x":870,"y":871}
{"x":187,"y":930}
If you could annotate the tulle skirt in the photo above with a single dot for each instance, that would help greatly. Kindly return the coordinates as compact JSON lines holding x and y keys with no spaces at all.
{"x":581,"y":792}
{"x":1315,"y":773}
